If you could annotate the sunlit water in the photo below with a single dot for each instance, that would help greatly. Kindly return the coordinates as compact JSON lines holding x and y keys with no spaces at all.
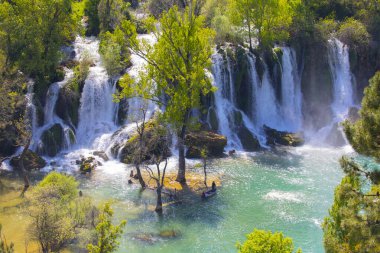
{"x":290,"y":191}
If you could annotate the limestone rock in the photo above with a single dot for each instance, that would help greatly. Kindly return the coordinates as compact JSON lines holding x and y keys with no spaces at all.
{"x":275,"y":137}
{"x":196,"y":141}
{"x":31,"y":161}
{"x":52,"y":140}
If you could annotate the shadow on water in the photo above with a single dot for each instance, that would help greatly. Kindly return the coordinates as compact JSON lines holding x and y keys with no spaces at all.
{"x":279,"y":159}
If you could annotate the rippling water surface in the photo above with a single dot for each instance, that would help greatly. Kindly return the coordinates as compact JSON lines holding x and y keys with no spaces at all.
{"x":289,"y":191}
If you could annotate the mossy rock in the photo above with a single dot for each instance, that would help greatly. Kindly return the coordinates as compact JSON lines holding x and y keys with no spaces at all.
{"x":212,"y":142}
{"x":32,"y":161}
{"x":67,"y":106}
{"x":52,"y":140}
{"x":8,"y":140}
{"x":275,"y":137}
{"x":87,"y":165}
{"x":155,"y":143}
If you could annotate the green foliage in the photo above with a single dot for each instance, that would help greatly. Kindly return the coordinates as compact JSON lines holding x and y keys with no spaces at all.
{"x":57,"y":212}
{"x":31,"y":34}
{"x":114,"y":51}
{"x":364,"y":134}
{"x":325,"y":28}
{"x":107,"y":233}
{"x":80,"y":73}
{"x":261,"y":241}
{"x":4,"y":247}
{"x":91,"y":11}
{"x":176,"y":64}
{"x":111,"y":13}
{"x":353,"y":33}
{"x":353,"y":221}
{"x":268,"y":19}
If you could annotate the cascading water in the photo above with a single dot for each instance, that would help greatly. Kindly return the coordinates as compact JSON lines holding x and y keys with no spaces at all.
{"x":225,"y":109}
{"x":291,"y":104}
{"x":31,"y":108}
{"x":96,"y":113}
{"x":342,"y":78}
{"x":264,"y":105}
{"x":343,"y":94}
{"x":52,"y":97}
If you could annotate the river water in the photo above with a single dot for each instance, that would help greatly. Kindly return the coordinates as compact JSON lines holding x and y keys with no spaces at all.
{"x":290,"y":191}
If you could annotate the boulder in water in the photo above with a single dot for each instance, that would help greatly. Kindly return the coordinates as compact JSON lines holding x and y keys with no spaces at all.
{"x":101,"y":154}
{"x":87,"y":165}
{"x":275,"y":137}
{"x":196,"y":141}
{"x":52,"y":140}
{"x":67,"y":106}
{"x":32,"y":161}
{"x":155,"y":143}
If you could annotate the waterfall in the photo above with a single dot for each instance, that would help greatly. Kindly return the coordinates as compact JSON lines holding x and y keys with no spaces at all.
{"x":225,"y":109}
{"x":52,"y":97}
{"x":291,"y":104}
{"x":343,"y":94}
{"x":264,"y":106}
{"x":342,"y":79}
{"x":31,"y":108}
{"x":96,"y":112}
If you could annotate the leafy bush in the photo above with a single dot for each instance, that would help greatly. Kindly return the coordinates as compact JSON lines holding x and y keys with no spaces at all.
{"x":353,"y":33}
{"x":261,"y":241}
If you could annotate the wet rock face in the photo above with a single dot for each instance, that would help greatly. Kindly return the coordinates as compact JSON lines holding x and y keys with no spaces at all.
{"x":212,"y":142}
{"x":52,"y":140}
{"x":248,"y":140}
{"x":275,"y":137}
{"x":8,"y":140}
{"x":101,"y":154}
{"x":67,"y":106}
{"x":31,"y":161}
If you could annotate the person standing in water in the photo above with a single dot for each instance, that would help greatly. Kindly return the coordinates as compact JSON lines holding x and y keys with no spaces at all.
{"x":213,"y":187}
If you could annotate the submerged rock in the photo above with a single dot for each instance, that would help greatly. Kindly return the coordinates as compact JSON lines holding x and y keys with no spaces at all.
{"x":31,"y":161}
{"x":212,"y":142}
{"x":52,"y":140}
{"x":87,"y":165}
{"x":169,"y":234}
{"x":275,"y":137}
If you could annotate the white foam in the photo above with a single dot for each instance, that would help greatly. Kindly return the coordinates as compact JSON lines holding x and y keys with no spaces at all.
{"x":284,"y":196}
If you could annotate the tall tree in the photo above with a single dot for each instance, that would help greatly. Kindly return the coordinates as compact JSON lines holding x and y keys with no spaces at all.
{"x":364,"y":134}
{"x":175,"y":69}
{"x":353,"y":224}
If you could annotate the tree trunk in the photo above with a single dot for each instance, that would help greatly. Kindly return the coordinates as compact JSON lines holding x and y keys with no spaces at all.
{"x":159,"y":200}
{"x":181,"y":177}
{"x":22,"y":169}
{"x":204,"y":170}
{"x":141,"y":180}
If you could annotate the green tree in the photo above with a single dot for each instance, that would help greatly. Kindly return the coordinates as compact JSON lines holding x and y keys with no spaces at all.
{"x":93,"y":23}
{"x":353,"y":222}
{"x":107,"y":233}
{"x":261,"y":241}
{"x":111,"y":13}
{"x":175,"y":70}
{"x":364,"y":133}
{"x":269,"y":20}
{"x":57,"y":213}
